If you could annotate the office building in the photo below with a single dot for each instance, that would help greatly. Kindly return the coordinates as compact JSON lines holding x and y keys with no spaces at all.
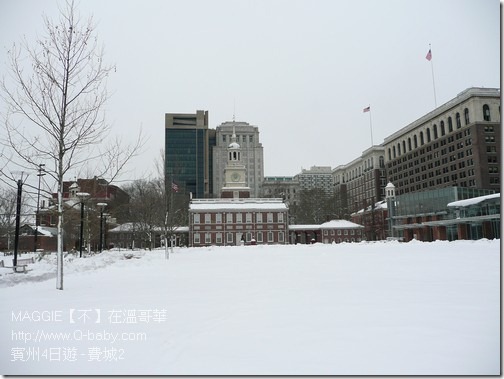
{"x":457,"y":144}
{"x":247,"y":136}
{"x":188,"y":152}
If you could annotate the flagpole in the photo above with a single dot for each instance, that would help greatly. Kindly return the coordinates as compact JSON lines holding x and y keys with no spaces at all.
{"x":370,"y":126}
{"x":368,"y":110}
{"x":433,"y":81}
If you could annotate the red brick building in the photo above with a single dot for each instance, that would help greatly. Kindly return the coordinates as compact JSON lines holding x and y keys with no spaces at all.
{"x":225,"y":222}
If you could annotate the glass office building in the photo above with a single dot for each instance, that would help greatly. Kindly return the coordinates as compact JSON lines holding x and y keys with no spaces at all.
{"x":188,"y":158}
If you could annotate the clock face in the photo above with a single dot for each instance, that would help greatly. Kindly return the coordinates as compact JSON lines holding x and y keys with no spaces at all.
{"x":235,"y":177}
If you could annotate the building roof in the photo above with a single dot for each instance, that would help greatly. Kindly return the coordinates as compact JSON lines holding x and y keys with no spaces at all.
{"x":474,"y":200}
{"x":333,"y":224}
{"x":340,"y":224}
{"x":236,"y":204}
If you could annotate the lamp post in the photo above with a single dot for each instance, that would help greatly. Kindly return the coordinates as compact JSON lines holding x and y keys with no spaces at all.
{"x":82,"y":197}
{"x":37,"y":222}
{"x":18,"y":216}
{"x":102,"y":208}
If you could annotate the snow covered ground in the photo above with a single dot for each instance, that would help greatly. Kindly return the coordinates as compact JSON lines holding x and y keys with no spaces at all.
{"x":350,"y":309}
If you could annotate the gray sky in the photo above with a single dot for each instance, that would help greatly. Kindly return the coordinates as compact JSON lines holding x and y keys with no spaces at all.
{"x":302,"y":71}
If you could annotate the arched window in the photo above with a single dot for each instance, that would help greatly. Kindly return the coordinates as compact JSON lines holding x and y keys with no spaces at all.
{"x":486,"y":112}
{"x":404,"y":146}
{"x":389,"y":154}
{"x":428,"y":135}
{"x":409,"y":144}
{"x":457,"y":118}
{"x":450,"y":125}
{"x":434,"y":128}
{"x":394,"y":151}
{"x":442,"y":128}
{"x":466,"y":116}
{"x":421,"y":139}
{"x":415,"y":141}
{"x":398,"y":149}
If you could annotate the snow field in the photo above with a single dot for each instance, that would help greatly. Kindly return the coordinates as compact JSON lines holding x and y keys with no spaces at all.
{"x":349,"y":309}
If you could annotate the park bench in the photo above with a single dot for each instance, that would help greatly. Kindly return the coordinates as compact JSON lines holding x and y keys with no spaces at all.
{"x":22,"y":263}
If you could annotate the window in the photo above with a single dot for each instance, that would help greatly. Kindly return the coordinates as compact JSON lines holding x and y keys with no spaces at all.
{"x":270,"y":236}
{"x":229,"y":218}
{"x":281,"y":237}
{"x":434,"y":128}
{"x":208,"y":238}
{"x":196,"y":238}
{"x":442,"y":128}
{"x":196,"y":218}
{"x":409,"y":144}
{"x":208,"y":218}
{"x":486,"y":112}
{"x":450,"y":125}
{"x":466,"y":116}
{"x":218,"y":238}
{"x":428,"y":135}
{"x":259,"y":218}
{"x":457,"y":118}
{"x":239,"y":218}
{"x":415,"y":141}
{"x":229,"y":237}
{"x":248,"y":218}
{"x":218,"y":218}
{"x":259,"y":236}
{"x":280,"y":217}
{"x":269,"y":217}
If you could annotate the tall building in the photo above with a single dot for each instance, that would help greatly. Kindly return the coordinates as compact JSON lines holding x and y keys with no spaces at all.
{"x":235,"y":172}
{"x":360,"y":182}
{"x":188,"y":152}
{"x":457,"y":144}
{"x":247,"y":136}
{"x":316,"y":177}
{"x":284,"y":187}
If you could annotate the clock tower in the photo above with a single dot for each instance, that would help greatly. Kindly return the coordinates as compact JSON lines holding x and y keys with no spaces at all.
{"x":235,"y":182}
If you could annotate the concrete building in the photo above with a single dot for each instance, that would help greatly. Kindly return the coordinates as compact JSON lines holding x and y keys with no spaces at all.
{"x":188,"y":152}
{"x":361,"y":182}
{"x":285,"y":187}
{"x":316,"y":177}
{"x":247,"y":136}
{"x":457,"y":144}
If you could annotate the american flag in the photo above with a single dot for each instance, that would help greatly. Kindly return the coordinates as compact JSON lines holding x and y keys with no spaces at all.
{"x":174,"y":187}
{"x":367,"y":109}
{"x":429,"y":55}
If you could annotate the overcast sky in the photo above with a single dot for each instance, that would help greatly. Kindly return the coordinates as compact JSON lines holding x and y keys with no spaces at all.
{"x":302,"y":71}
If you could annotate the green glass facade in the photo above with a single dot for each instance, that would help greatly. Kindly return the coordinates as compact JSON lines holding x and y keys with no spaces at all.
{"x":188,"y":158}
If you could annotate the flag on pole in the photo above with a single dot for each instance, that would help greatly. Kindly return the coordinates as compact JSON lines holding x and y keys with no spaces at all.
{"x":174,"y":187}
{"x":429,"y":55}
{"x":367,"y":109}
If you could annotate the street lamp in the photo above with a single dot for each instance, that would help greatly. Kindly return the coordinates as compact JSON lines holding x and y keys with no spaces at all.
{"x":37,"y":222}
{"x":82,"y":197}
{"x":18,"y":215}
{"x":102,"y":208}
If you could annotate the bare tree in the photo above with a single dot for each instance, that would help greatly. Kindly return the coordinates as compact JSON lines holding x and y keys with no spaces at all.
{"x":61,"y":92}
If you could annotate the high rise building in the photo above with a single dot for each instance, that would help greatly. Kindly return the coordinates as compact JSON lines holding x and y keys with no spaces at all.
{"x":361,"y":182}
{"x":188,"y":152}
{"x":457,"y":144}
{"x":247,"y":136}
{"x":316,"y":177}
